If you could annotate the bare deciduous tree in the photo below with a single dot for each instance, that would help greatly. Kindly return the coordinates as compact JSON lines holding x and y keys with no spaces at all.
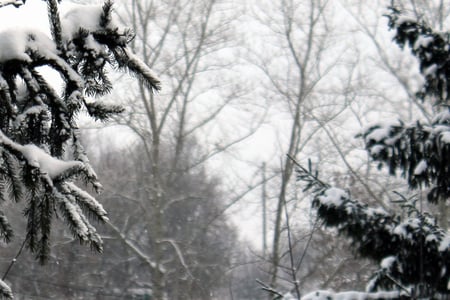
{"x":294,"y":69}
{"x":189,"y":43}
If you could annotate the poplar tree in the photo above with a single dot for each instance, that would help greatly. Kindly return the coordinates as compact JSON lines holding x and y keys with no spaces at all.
{"x":412,"y":249}
{"x":41,"y":157}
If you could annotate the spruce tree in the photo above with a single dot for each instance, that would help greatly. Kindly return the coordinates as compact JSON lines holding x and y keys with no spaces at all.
{"x":41,"y":157}
{"x":413,"y":251}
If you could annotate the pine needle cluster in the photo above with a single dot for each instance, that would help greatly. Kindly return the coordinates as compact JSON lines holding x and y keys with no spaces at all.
{"x":41,"y":156}
{"x":413,"y":251}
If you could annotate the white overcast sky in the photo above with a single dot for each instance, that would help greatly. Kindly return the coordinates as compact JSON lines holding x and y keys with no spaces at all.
{"x":34,"y":15}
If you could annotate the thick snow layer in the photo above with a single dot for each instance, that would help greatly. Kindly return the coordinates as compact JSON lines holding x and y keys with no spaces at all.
{"x":8,"y":2}
{"x":33,"y":110}
{"x":379,"y":134}
{"x":423,"y":41}
{"x":421,"y":167}
{"x":445,"y":244}
{"x":85,"y":16}
{"x":36,"y":157}
{"x":401,"y":230}
{"x":333,"y":196}
{"x":49,"y":165}
{"x":430,"y":71}
{"x":5,"y":288}
{"x":442,"y":117}
{"x":15,"y":42}
{"x":431,"y":238}
{"x":445,"y":137}
{"x":375,"y":150}
{"x":92,"y":45}
{"x":371,"y":212}
{"x":387,"y":262}
{"x":405,"y":19}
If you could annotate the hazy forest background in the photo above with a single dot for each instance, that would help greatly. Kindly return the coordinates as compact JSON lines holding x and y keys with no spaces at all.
{"x":201,"y":195}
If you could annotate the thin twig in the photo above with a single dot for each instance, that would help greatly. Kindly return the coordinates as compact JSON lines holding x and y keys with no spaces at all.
{"x":316,"y":179}
{"x":307,"y":243}
{"x":398,"y":284}
{"x":14,"y":259}
{"x":291,"y":251}
{"x":267,"y":288}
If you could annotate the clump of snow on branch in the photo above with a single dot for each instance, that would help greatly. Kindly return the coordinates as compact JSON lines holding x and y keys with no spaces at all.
{"x":334,"y":196}
{"x":445,"y":244}
{"x":387,"y":262}
{"x":421,"y":167}
{"x":16,"y":45}
{"x":423,"y":41}
{"x":82,"y":16}
{"x":5,"y":290}
{"x":16,"y":3}
{"x":38,"y":158}
{"x":86,"y":199}
{"x":378,"y":235}
{"x":40,"y":150}
{"x":47,"y":164}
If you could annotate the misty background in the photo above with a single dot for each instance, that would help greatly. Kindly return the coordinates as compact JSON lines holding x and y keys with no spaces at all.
{"x":197,"y":178}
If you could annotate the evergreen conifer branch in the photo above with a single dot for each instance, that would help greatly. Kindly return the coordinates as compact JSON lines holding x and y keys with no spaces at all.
{"x":103,"y":112}
{"x":5,"y":291}
{"x":106,"y":16}
{"x":38,"y":125}
{"x":16,"y":3}
{"x":385,"y":238}
{"x":6,"y":231}
{"x":127,"y":60}
{"x":420,"y":152}
{"x":13,"y":188}
{"x":55,"y":24}
{"x":46,"y":209}
{"x":32,"y":214}
{"x":8,"y":110}
{"x":431,"y":49}
{"x":88,"y":204}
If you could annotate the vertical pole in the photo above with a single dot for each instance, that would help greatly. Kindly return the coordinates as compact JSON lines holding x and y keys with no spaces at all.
{"x":264,"y":212}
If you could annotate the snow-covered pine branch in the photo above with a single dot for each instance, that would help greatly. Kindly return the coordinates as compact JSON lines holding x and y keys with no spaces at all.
{"x":386,"y":238}
{"x":38,"y":124}
{"x":419,"y":151}
{"x":432,"y":50}
{"x":16,"y":3}
{"x":5,"y":291}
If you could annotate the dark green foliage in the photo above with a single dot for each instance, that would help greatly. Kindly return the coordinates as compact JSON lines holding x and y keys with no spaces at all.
{"x":430,"y":48}
{"x":412,"y":250}
{"x":12,"y":187}
{"x":408,"y":148}
{"x":38,"y":129}
{"x":6,"y":231}
{"x":128,"y":61}
{"x":55,"y":24}
{"x":105,"y":17}
{"x":414,"y":245}
{"x":103,"y":112}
